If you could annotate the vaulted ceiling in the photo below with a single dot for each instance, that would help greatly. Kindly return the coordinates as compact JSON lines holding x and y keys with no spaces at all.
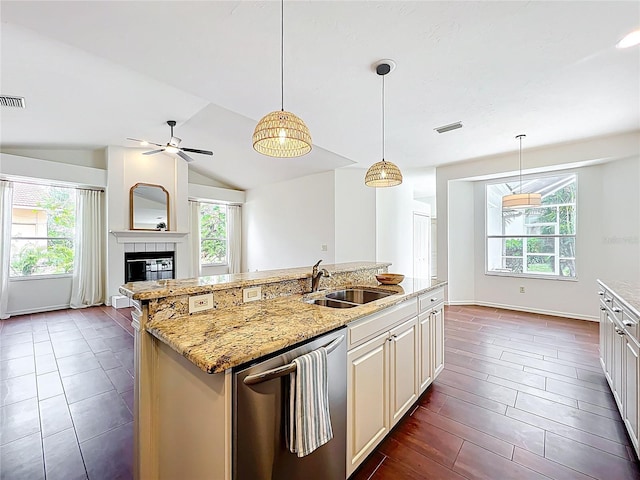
{"x":94,"y":73}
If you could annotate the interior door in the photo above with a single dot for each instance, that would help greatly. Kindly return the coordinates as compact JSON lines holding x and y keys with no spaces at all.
{"x":421,"y":245}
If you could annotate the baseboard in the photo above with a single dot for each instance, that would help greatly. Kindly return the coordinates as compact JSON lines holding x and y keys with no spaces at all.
{"x":48,"y":308}
{"x":540,"y":311}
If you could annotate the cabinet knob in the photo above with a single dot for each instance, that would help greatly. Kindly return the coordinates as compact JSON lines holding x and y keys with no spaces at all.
{"x":618,"y":331}
{"x":602,"y":308}
{"x":601,"y":293}
{"x":628,"y":323}
{"x":617,"y":310}
{"x":608,"y":300}
{"x":434,"y":299}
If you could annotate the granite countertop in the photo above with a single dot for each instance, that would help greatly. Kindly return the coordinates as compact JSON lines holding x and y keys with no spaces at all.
{"x":218,"y":340}
{"x":627,"y":291}
{"x":190,"y":286}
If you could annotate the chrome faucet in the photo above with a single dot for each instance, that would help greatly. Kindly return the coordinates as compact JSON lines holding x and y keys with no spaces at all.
{"x":316,"y":274}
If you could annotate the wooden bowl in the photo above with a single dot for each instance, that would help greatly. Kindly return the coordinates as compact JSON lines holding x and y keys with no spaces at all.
{"x":390,"y":278}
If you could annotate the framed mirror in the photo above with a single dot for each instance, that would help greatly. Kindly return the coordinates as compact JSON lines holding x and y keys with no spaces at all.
{"x":148,"y":207}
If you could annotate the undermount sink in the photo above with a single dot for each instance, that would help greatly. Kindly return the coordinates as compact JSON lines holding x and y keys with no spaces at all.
{"x":350,"y":297}
{"x":358,"y":295}
{"x":325,"y":302}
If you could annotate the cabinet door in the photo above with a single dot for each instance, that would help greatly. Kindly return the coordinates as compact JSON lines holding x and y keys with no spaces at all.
{"x":603,"y":345}
{"x":631,"y":389}
{"x":424,"y":326}
{"x":403,"y":365}
{"x":617,"y":365}
{"x":438,"y":340}
{"x":367,"y":398}
{"x":609,"y":333}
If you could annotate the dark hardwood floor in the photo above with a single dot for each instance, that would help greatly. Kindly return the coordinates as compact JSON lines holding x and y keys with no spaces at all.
{"x":66,"y":395}
{"x":522,"y":396}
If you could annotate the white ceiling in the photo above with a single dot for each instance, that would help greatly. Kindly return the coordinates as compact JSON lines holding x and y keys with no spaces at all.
{"x":94,"y":73}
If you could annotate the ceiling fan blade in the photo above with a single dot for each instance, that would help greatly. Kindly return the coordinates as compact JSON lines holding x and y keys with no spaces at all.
{"x":184,"y":156}
{"x":153,"y":152}
{"x":195,"y":150}
{"x":143,"y":141}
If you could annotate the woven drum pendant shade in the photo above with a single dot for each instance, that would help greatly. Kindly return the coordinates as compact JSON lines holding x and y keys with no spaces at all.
{"x":383,"y":174}
{"x":282,"y":134}
{"x":522,"y":200}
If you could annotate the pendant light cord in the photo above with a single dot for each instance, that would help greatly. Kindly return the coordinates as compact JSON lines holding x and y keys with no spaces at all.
{"x":383,"y":118}
{"x":282,"y":55}
{"x":520,"y":165}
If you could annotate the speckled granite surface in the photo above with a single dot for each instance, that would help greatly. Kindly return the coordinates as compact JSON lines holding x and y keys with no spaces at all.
{"x":221,"y":339}
{"x":628,"y":292}
{"x":194,"y":286}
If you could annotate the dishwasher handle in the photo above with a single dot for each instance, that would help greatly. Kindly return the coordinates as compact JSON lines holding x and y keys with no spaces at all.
{"x":285,"y":369}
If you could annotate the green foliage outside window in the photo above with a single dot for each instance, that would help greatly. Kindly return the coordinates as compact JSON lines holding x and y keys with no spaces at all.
{"x":213,"y":234}
{"x":52,"y":253}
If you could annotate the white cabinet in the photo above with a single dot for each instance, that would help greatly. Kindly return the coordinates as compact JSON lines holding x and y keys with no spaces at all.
{"x":393,"y":356}
{"x":404,"y":364}
{"x":382,"y":383}
{"x":431,"y":307}
{"x":367,"y":398}
{"x":619,"y":357}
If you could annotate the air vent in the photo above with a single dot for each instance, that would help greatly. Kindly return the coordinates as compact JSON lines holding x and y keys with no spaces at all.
{"x":10,"y":101}
{"x":448,"y":128}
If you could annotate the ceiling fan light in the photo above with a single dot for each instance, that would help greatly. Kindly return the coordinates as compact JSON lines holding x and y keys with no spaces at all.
{"x":282,"y":134}
{"x":521,"y":200}
{"x":383,"y":174}
{"x":171,"y":149}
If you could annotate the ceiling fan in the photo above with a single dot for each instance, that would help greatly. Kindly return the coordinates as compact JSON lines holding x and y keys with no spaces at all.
{"x":173,"y":146}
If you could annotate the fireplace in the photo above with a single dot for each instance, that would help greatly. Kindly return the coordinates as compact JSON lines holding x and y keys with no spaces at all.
{"x":143,"y":266}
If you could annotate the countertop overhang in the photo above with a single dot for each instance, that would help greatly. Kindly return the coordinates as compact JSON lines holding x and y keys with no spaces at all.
{"x":221,"y":339}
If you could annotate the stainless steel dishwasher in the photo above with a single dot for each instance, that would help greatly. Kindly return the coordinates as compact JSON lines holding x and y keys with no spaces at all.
{"x":260,"y":398}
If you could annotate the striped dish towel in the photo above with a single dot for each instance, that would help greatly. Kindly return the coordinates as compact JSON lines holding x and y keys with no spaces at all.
{"x":309,"y":420}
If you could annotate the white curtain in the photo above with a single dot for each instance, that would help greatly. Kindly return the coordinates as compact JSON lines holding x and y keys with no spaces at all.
{"x":88,"y":287}
{"x":194,"y":220}
{"x":6,"y":202}
{"x":234,"y":224}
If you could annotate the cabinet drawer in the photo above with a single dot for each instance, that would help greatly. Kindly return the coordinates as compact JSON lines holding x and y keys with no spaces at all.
{"x":429,"y":299}
{"x":378,"y":322}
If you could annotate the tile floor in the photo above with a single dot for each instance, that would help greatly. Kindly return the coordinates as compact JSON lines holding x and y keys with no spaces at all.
{"x":66,"y":395}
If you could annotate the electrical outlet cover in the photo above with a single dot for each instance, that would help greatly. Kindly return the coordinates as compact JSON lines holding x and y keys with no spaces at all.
{"x":199,"y":303}
{"x":251,"y":294}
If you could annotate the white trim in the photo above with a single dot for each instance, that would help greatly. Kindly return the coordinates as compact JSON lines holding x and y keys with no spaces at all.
{"x":148,"y":236}
{"x":47,"y":308}
{"x":48,"y":276}
{"x":519,"y":308}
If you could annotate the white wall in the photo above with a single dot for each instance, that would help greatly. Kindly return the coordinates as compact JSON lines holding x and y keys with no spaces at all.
{"x":355,"y":217}
{"x":619,"y":240}
{"x":84,"y":157}
{"x":607,"y":243}
{"x":126,"y":167}
{"x":461,"y":241}
{"x":394,"y":226}
{"x":285,"y":223}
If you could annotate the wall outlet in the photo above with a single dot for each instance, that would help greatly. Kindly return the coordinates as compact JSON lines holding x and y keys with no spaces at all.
{"x":199,"y":303}
{"x":251,"y":294}
{"x":521,"y":289}
{"x":323,"y":247}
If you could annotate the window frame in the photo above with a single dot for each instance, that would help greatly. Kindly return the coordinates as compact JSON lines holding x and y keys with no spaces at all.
{"x":557,"y":236}
{"x":72,"y":239}
{"x":226,"y":239}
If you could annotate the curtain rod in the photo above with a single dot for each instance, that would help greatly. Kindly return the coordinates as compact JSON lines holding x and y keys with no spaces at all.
{"x":229,"y":204}
{"x":52,"y":184}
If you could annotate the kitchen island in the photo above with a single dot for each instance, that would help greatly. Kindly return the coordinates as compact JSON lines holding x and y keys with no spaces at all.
{"x":183,"y":399}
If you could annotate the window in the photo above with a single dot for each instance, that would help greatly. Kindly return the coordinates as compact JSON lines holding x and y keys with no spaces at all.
{"x":213,"y":234}
{"x":42,"y":230}
{"x":540,"y":241}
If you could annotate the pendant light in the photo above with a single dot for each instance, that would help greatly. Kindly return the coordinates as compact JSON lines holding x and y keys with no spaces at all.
{"x":383,"y":173}
{"x":521,"y":200}
{"x":281,"y":133}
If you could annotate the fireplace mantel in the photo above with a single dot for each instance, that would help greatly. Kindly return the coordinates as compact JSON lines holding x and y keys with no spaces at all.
{"x":148,"y":236}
